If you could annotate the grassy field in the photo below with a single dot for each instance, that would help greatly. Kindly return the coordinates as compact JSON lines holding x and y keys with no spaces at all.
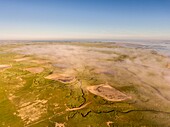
{"x":28,"y":99}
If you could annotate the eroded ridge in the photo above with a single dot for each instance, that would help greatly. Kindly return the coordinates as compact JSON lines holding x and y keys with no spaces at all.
{"x":63,"y":78}
{"x":35,"y":70}
{"x":4,"y":66}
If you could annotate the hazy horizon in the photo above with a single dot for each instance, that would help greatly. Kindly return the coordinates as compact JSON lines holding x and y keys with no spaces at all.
{"x":85,"y":20}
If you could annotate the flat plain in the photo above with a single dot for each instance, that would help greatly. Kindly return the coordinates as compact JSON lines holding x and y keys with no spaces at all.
{"x":72,"y":84}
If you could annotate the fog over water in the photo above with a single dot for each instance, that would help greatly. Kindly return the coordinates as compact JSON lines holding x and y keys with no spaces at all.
{"x":162,"y":46}
{"x":159,"y":46}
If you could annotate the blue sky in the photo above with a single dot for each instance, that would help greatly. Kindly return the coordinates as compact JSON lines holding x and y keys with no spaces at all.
{"x":84,"y":19}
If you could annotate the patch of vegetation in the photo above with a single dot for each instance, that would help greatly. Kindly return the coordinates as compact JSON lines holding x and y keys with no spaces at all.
{"x":121,"y":58}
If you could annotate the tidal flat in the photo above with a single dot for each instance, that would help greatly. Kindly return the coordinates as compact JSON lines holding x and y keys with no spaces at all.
{"x":72,"y":84}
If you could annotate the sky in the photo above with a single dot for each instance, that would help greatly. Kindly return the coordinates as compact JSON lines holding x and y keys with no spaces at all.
{"x":84,"y":19}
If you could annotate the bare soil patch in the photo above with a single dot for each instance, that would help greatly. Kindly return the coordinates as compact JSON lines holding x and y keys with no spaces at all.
{"x":30,"y":112}
{"x":3,"y":67}
{"x":109,"y":123}
{"x":35,"y":70}
{"x":59,"y":124}
{"x":39,"y":61}
{"x":64,"y":78}
{"x":107,"y":92}
{"x":22,"y":59}
{"x":167,"y":76}
{"x":61,"y":65}
{"x":74,"y":109}
{"x":104,"y":71}
{"x":168,"y":66}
